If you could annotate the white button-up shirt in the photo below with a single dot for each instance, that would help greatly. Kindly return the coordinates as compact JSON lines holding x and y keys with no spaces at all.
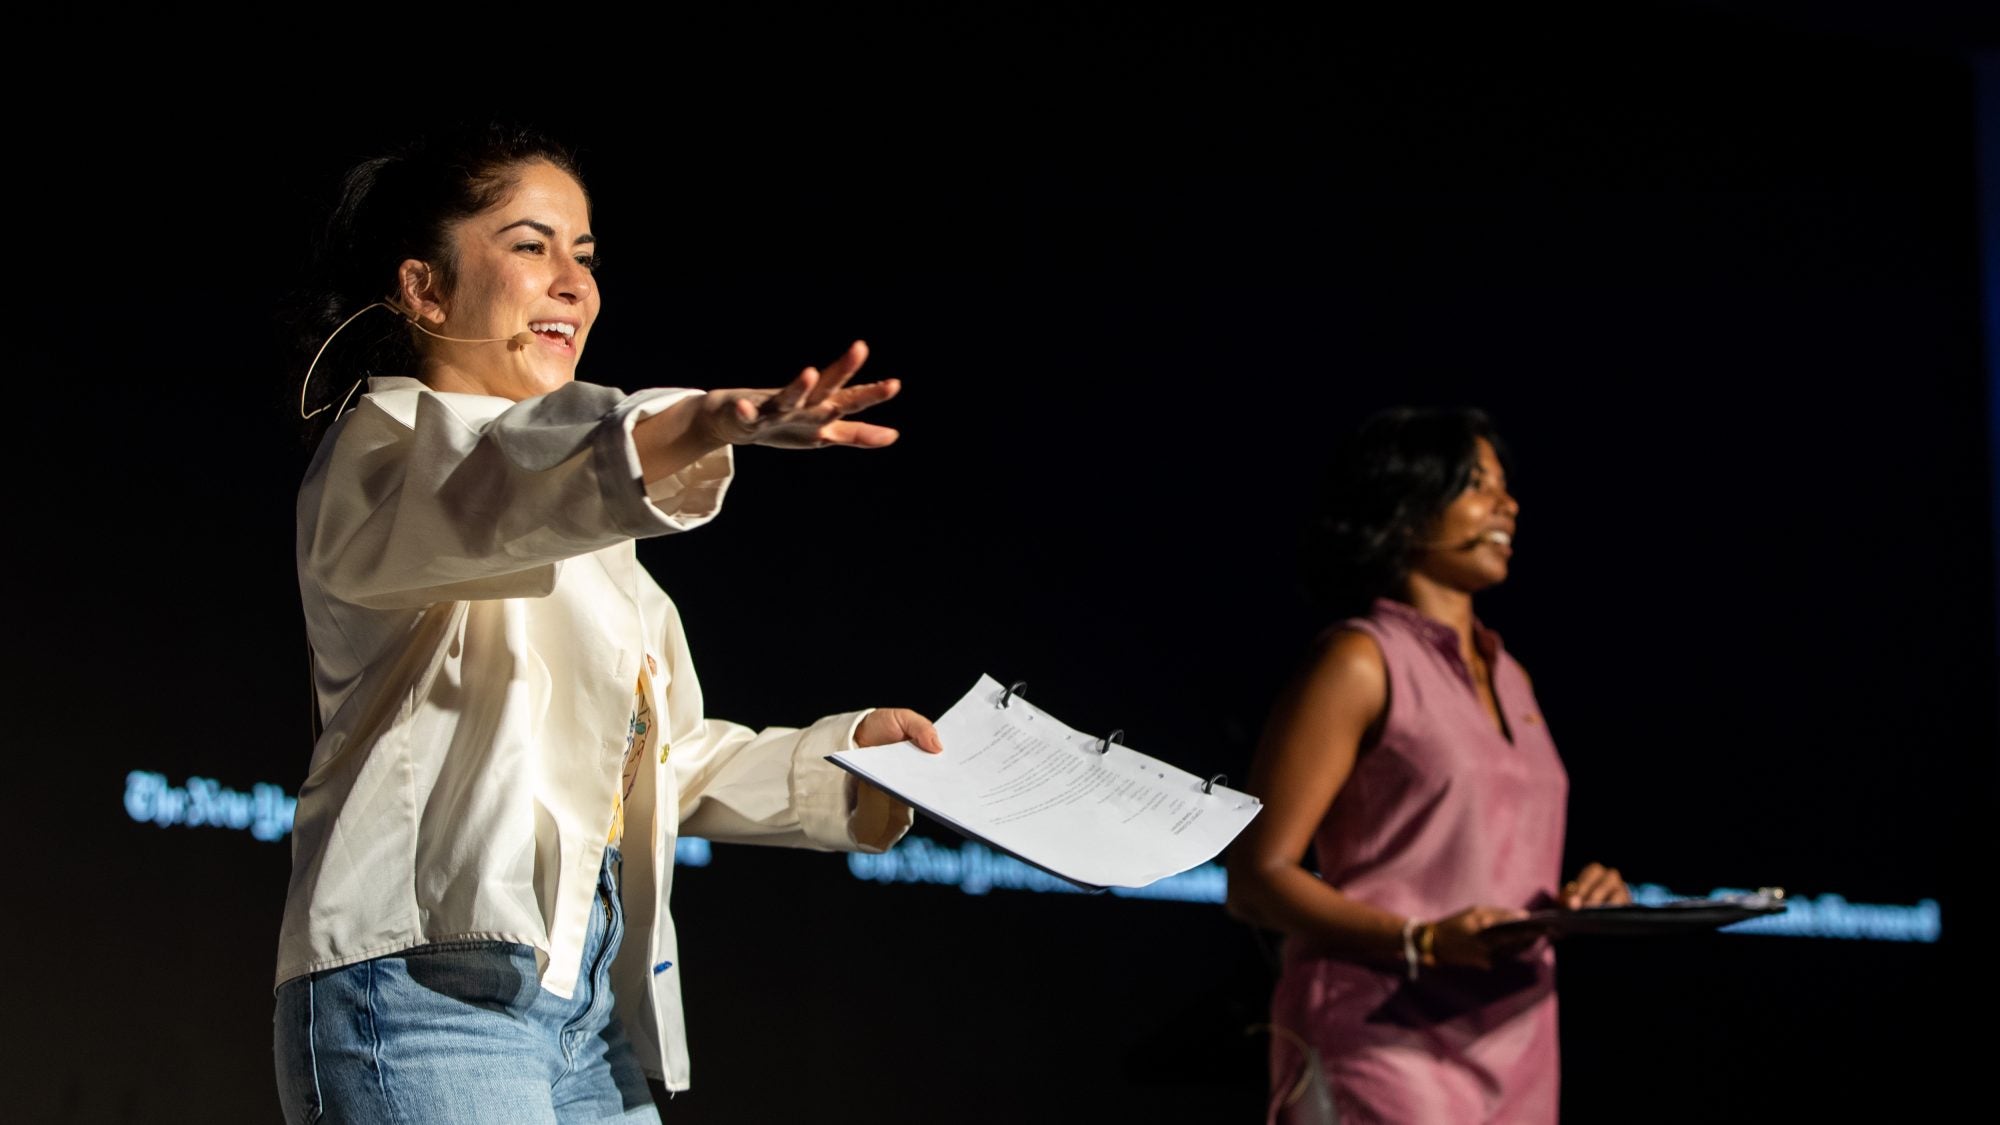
{"x":478,"y":618}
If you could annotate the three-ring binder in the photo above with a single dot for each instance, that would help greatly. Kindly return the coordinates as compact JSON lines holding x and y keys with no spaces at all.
{"x":1080,"y":806}
{"x":1116,"y":737}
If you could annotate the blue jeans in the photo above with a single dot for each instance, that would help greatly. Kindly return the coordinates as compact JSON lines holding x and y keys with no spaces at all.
{"x":461,"y":1033}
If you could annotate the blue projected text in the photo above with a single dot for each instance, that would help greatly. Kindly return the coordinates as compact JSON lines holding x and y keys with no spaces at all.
{"x":1826,"y":916}
{"x":976,"y":869}
{"x":265,"y":812}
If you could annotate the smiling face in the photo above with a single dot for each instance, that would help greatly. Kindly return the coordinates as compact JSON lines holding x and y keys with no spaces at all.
{"x":1468,"y":546}
{"x":522,"y":265}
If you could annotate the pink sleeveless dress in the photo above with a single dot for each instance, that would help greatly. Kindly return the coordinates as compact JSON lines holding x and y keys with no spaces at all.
{"x":1442,"y":813}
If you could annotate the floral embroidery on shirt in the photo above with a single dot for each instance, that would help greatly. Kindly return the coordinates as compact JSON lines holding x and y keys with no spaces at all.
{"x":635,"y":739}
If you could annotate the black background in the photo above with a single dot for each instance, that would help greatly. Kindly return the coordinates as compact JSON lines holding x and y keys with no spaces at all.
{"x":1712,"y":268}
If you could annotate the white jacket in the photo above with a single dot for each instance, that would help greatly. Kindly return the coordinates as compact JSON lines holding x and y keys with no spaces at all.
{"x":478,"y":619}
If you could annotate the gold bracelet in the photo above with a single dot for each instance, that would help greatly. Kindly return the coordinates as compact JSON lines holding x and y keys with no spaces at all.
{"x":1426,"y":943}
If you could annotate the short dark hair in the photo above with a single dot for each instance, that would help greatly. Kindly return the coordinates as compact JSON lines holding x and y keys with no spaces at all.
{"x":1389,"y":481}
{"x":390,"y":208}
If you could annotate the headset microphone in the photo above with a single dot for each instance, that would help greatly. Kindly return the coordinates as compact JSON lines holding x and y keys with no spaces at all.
{"x":517,"y":342}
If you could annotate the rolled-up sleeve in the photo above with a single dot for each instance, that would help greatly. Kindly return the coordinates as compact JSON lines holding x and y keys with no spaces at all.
{"x":775,"y":786}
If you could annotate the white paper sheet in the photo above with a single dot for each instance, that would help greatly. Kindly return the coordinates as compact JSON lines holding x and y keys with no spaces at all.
{"x":1015,"y":777}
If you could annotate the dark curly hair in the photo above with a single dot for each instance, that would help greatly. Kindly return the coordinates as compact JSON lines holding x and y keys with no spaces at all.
{"x":1388,"y":483}
{"x":393,"y":207}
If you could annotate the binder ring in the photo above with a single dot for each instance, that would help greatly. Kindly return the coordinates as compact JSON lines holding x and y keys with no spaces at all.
{"x":1209,"y":785}
{"x":1104,"y":744}
{"x":1016,"y":688}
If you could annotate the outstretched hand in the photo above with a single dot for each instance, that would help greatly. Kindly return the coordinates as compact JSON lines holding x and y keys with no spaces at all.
{"x":807,"y":413}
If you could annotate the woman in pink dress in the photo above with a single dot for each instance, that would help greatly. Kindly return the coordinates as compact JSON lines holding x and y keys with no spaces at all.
{"x":1410,"y":755}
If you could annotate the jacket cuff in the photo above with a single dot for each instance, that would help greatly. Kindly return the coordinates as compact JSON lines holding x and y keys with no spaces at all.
{"x":835,"y":810}
{"x":679,"y":502}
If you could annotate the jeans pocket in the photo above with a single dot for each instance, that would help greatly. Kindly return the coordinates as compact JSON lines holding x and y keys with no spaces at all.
{"x":494,"y":975}
{"x":430,"y":949}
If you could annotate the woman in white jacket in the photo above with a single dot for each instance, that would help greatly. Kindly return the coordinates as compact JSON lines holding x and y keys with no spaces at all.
{"x":477,"y":926}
